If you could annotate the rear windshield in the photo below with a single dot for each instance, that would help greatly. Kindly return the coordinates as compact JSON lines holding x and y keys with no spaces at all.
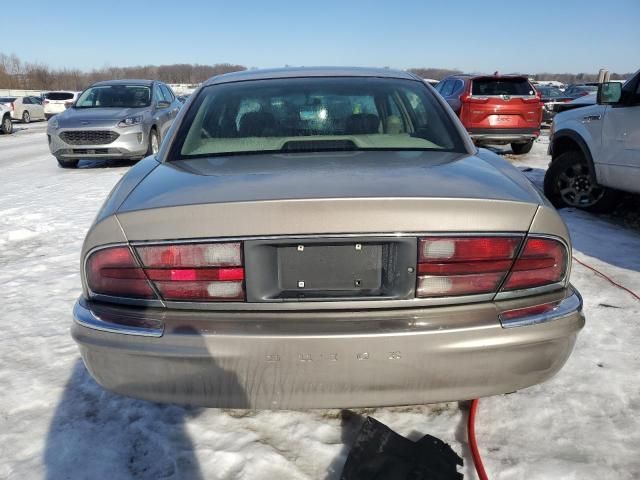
{"x":115,"y":96}
{"x":7,"y":99}
{"x":502,"y":86}
{"x":315,"y":114}
{"x":59,"y":96}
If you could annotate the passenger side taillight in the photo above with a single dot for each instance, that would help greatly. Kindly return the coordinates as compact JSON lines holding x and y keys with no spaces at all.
{"x":450,"y":266}
{"x":185,"y":272}
{"x":453,"y":266}
{"x":543,"y":261}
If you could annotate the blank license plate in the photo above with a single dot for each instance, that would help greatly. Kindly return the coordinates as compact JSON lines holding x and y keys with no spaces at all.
{"x":349,"y":267}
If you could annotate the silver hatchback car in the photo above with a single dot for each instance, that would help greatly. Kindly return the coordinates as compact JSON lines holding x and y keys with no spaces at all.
{"x":117,"y":119}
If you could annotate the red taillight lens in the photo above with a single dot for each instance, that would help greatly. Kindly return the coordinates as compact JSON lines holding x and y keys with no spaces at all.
{"x":114,"y":271}
{"x":195,"y":272}
{"x":532,"y":99}
{"x":543,"y":261}
{"x":449,"y":266}
{"x":473,"y":99}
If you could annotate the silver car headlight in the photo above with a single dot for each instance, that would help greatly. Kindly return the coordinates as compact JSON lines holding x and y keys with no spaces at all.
{"x":131,"y":121}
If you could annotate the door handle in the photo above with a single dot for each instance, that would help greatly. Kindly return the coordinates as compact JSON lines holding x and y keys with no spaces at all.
{"x":591,"y":118}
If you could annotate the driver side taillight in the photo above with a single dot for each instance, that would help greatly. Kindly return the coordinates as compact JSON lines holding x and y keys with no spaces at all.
{"x":183,"y":272}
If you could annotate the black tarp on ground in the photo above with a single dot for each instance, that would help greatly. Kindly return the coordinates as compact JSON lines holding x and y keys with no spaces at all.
{"x":379,"y":453}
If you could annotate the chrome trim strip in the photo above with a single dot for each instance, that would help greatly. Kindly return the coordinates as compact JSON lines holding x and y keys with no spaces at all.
{"x":140,"y":243}
{"x":87,"y":318}
{"x":564,"y":308}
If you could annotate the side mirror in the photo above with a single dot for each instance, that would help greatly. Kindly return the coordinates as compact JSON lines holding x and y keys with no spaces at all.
{"x":163,"y":104}
{"x":609,"y":92}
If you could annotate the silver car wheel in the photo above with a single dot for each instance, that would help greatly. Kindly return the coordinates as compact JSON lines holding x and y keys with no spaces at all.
{"x":7,"y":126}
{"x":26,"y":118}
{"x":155,"y":144}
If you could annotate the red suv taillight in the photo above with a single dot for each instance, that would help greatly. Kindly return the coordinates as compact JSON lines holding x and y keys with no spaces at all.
{"x":186,"y":272}
{"x":453,"y":266}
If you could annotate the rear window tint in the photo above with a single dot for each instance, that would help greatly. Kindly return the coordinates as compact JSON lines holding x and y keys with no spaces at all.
{"x":501,"y":86}
{"x":60,"y":96}
{"x":7,"y":99}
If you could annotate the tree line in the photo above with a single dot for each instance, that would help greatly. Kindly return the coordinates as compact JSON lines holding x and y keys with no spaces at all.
{"x":17,"y":74}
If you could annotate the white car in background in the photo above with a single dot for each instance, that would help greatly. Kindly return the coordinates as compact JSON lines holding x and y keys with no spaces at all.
{"x":24,"y":109}
{"x":6,"y":125}
{"x":595,"y":149}
{"x":57,"y":102}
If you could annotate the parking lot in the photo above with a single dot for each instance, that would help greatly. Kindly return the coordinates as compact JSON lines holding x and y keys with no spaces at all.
{"x":584,"y":423}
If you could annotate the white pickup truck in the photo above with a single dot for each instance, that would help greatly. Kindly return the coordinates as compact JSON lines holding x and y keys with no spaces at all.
{"x":6,"y":126}
{"x":595,"y":149}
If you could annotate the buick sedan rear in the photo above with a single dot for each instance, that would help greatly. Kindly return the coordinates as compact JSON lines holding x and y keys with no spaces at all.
{"x":323,"y":238}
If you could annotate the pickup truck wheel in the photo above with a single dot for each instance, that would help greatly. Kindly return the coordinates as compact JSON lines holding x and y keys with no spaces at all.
{"x":26,"y":118}
{"x":521,"y":148}
{"x":67,"y":163}
{"x":6,"y":126}
{"x":569,"y":182}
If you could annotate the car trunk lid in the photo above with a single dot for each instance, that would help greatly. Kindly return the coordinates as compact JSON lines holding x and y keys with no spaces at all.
{"x":303,"y":194}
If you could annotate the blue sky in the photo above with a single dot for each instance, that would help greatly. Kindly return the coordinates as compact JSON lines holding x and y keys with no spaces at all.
{"x":525,"y":36}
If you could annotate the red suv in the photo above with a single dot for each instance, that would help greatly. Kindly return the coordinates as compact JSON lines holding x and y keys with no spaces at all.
{"x":495,"y":109}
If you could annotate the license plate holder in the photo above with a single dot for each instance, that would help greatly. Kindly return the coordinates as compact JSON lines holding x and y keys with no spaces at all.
{"x":345,"y":268}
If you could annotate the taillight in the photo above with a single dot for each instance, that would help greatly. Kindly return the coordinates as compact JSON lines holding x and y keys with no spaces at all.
{"x":12,"y":106}
{"x":114,"y":271}
{"x":543,"y":261}
{"x":450,"y":266}
{"x":186,"y":272}
{"x":473,"y":99}
{"x":532,"y":99}
{"x":453,"y":266}
{"x":199,"y":272}
{"x":45,"y":102}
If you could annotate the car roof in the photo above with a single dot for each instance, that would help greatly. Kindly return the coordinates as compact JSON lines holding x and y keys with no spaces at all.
{"x":146,"y":83}
{"x":301,"y":72}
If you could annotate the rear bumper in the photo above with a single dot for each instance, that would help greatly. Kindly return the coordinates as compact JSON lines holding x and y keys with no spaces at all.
{"x":324,"y":359}
{"x":503,"y":136}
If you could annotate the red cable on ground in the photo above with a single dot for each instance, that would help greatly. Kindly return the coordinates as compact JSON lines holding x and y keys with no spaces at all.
{"x":471,"y":424}
{"x":471,"y":434}
{"x":631,"y":292}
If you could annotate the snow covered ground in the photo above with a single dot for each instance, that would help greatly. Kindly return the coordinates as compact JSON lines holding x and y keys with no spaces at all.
{"x":56,"y":423}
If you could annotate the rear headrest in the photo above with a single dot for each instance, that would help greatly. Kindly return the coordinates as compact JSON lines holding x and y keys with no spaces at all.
{"x":362,"y":123}
{"x":257,"y":124}
{"x":394,"y":125}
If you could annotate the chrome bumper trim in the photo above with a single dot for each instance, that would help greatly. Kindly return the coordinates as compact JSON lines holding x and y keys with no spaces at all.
{"x":564,"y":308}
{"x":87,"y":318}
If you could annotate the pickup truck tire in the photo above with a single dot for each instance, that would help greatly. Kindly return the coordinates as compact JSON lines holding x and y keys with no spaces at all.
{"x":521,"y":148}
{"x":569,"y":182}
{"x":7,"y":125}
{"x":67,"y":163}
